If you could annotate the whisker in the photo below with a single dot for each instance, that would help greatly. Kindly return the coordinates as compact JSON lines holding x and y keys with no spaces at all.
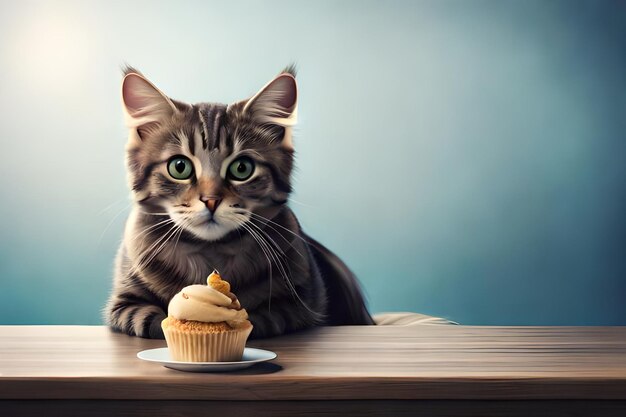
{"x":111,"y":222}
{"x":292,"y":200}
{"x":281,"y":266}
{"x":170,"y":234}
{"x":110,"y":206}
{"x":154,"y":214}
{"x":269,"y":262}
{"x":279,"y":234}
{"x":148,"y":229}
{"x":180,"y":234}
{"x":276,"y":247}
{"x":279,"y":225}
{"x":142,"y":258}
{"x":266,"y":250}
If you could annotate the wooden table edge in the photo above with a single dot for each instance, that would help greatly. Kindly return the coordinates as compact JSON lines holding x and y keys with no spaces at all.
{"x":316,"y":388}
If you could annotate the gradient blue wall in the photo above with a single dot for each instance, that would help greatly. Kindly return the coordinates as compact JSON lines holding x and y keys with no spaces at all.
{"x":466,"y":158}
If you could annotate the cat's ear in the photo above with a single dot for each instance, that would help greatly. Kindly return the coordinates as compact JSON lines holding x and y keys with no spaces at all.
{"x":277,"y":104}
{"x":145,"y":106}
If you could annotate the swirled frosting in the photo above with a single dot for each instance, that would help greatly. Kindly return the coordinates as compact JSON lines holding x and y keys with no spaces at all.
{"x":203,"y":303}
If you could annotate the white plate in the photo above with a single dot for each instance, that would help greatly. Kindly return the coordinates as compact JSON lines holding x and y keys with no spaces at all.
{"x":250,"y":357}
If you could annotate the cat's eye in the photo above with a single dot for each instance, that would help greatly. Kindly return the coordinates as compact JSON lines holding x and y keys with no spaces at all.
{"x":241,"y":169}
{"x":180,"y":167}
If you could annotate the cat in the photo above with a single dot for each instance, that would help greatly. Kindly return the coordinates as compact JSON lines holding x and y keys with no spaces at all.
{"x":210,"y":185}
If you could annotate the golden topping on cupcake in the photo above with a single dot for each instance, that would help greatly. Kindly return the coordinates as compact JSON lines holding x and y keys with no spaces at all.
{"x":216,"y":282}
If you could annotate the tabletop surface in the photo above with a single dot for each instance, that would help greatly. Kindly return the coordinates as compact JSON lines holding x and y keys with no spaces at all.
{"x":351,"y":362}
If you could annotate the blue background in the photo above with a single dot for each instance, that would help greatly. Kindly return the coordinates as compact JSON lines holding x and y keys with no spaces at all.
{"x":465,"y":158}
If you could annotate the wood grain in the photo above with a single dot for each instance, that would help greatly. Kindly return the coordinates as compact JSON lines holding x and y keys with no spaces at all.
{"x":386,"y":363}
{"x":346,"y":408}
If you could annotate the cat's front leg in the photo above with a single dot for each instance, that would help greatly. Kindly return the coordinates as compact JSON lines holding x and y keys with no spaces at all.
{"x":135,"y":316}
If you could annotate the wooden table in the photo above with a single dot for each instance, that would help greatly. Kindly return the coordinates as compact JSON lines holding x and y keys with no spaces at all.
{"x":365,"y":371}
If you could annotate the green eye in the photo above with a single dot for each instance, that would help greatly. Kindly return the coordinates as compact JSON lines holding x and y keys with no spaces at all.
{"x":241,"y":169}
{"x":180,"y":167}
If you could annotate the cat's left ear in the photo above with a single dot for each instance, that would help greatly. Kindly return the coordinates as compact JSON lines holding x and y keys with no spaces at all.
{"x":276,"y":104}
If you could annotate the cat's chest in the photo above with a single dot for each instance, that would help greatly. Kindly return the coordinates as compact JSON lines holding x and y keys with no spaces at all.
{"x":236,"y":261}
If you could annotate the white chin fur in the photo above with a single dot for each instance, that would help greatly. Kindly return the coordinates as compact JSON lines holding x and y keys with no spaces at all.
{"x":210,"y":231}
{"x":204,"y":230}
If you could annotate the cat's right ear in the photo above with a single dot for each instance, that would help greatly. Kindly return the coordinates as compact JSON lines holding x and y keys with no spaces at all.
{"x":145,"y":106}
{"x":277,"y":104}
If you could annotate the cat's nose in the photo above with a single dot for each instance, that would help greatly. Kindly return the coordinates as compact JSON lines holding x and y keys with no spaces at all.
{"x":211,"y":203}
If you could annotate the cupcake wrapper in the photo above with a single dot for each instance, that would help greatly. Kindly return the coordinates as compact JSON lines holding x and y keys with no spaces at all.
{"x":206,"y":347}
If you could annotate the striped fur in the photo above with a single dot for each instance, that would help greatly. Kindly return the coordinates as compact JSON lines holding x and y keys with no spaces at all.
{"x":284,"y":279}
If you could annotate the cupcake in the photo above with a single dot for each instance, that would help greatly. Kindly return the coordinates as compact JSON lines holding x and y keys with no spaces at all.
{"x":206,"y":323}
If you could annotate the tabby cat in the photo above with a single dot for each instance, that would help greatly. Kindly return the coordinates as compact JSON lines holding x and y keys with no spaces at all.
{"x":210,"y":185}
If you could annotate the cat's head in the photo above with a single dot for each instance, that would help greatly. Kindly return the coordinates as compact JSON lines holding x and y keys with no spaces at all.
{"x":209,"y":167}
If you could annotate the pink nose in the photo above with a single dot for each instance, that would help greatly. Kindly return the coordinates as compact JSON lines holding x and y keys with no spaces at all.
{"x":212,"y":203}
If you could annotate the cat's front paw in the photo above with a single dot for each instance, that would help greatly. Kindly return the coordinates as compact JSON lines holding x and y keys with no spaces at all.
{"x":151,"y":329}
